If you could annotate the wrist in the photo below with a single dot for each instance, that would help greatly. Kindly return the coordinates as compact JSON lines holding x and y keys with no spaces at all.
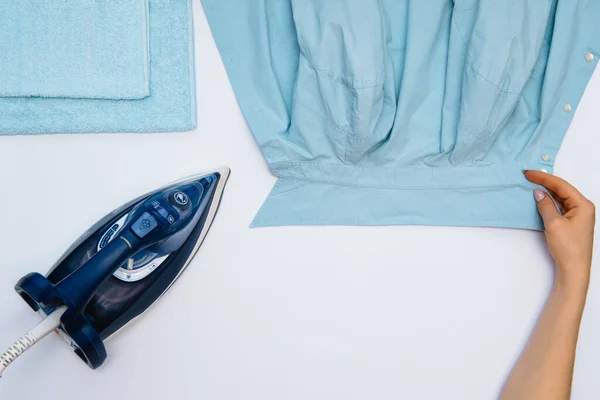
{"x":570,"y":286}
{"x":573,"y":275}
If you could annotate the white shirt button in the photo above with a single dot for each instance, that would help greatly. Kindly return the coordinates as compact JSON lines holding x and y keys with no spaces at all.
{"x":567,"y":108}
{"x":544,"y":170}
{"x":589,"y":57}
{"x":546,"y":157}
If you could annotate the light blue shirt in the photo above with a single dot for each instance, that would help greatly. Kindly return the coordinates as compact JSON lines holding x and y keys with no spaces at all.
{"x":384,"y":112}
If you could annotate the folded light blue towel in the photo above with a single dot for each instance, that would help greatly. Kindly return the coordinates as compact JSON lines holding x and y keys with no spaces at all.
{"x":75,"y":49}
{"x":170,"y":106}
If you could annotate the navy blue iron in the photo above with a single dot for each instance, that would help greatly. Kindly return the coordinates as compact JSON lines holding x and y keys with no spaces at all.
{"x":125,"y":262}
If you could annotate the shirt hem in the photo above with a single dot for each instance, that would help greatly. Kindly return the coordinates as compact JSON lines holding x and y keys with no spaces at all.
{"x":492,"y":196}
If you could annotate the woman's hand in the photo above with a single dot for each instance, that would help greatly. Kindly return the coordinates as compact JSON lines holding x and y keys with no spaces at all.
{"x":545,"y":369}
{"x":570,"y":236}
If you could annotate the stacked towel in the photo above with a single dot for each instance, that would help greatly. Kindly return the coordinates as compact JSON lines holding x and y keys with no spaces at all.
{"x":96,"y":66}
{"x":82,"y":49}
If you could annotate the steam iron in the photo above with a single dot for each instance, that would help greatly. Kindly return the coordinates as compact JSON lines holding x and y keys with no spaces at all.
{"x":120,"y":267}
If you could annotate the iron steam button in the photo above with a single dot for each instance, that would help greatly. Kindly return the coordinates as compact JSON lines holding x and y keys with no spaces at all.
{"x":144,"y":225}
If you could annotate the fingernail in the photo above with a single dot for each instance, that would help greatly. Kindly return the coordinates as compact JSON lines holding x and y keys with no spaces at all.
{"x":539,"y":195}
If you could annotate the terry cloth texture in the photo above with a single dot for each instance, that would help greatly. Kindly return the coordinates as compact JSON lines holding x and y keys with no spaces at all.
{"x":79,"y":49}
{"x":384,"y":112}
{"x":169,"y":107}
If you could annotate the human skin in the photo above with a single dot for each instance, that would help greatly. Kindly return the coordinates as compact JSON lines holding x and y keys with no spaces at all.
{"x":544,"y":370}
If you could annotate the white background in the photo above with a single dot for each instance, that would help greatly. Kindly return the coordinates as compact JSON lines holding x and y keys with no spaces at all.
{"x":280,"y":313}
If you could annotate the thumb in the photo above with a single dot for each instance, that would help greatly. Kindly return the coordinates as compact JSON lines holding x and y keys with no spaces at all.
{"x":545,"y":206}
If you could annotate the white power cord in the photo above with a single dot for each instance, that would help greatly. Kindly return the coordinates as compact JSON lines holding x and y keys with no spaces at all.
{"x":41,"y":330}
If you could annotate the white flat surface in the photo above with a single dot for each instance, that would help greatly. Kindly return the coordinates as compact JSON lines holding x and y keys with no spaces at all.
{"x":280,"y":313}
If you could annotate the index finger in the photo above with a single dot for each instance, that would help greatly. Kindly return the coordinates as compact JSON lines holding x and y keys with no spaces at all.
{"x":560,"y":187}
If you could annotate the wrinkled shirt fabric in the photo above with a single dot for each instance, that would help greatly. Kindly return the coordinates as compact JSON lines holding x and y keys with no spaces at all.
{"x":389,"y":112}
